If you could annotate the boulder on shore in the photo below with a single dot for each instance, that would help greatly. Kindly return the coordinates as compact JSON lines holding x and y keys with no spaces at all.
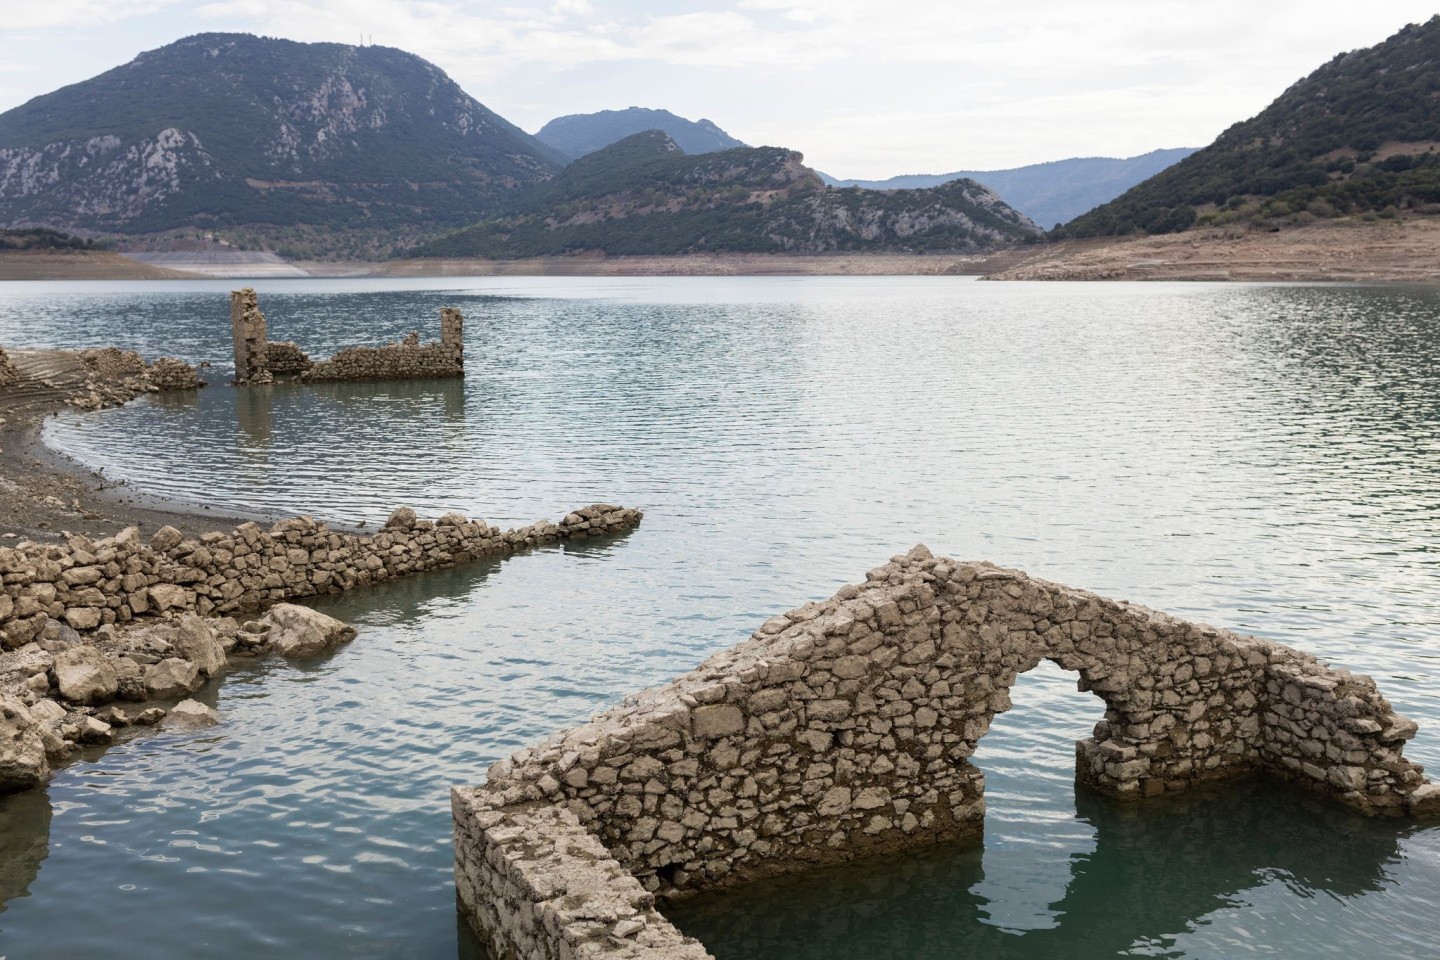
{"x":23,"y":763}
{"x":85,"y":675}
{"x":190,"y":713}
{"x":296,"y":631}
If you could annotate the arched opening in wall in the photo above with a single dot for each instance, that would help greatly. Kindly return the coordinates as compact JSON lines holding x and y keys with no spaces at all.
{"x":1033,"y":837}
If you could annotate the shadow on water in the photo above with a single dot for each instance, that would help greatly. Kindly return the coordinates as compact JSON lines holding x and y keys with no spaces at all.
{"x":1156,"y":870}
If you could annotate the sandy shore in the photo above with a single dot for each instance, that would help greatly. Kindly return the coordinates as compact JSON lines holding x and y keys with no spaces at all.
{"x":1405,"y":251}
{"x":44,"y":493}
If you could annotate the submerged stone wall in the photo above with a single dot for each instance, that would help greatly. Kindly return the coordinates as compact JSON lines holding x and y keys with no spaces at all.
{"x":257,"y":360}
{"x":407,"y":360}
{"x":87,"y":584}
{"x":845,"y":728}
{"x":247,"y":327}
{"x":284,"y":357}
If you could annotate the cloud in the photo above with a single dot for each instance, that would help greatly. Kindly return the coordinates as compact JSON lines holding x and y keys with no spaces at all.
{"x":77,"y":13}
{"x":864,"y":87}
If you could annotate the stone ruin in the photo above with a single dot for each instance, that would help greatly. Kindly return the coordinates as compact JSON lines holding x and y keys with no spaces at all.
{"x":9,"y":376}
{"x":845,"y":728}
{"x":259,"y":360}
{"x":92,"y":623}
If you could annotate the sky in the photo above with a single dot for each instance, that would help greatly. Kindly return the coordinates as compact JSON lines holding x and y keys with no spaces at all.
{"x":864,"y":88}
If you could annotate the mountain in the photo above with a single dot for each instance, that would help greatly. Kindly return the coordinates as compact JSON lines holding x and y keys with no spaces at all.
{"x":293,"y":142}
{"x":1357,"y":136}
{"x":1048,"y":193}
{"x":582,"y":133}
{"x":644,"y":195}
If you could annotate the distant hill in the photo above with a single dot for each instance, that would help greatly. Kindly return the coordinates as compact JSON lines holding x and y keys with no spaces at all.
{"x":644,"y":195}
{"x":1048,"y":193}
{"x":582,"y":133}
{"x":1357,"y":136}
{"x":298,"y":143}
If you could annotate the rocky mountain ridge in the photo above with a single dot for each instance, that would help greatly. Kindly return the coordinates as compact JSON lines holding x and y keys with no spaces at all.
{"x":1357,"y":137}
{"x":644,"y":195}
{"x":1049,"y":193}
{"x":235,"y":131}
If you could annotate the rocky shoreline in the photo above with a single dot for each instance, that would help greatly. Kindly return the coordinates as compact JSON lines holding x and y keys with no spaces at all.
{"x":105,"y":633}
{"x":62,"y":691}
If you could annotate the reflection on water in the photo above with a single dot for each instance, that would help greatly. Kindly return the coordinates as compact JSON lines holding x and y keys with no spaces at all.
{"x":1065,"y":872}
{"x":1157,"y":870}
{"x":1264,"y":458}
{"x":25,"y":841}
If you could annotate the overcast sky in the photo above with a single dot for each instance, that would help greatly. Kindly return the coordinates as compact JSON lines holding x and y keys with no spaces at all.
{"x":865,"y":88}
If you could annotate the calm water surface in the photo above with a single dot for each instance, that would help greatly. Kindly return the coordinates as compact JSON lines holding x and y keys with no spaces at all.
{"x":1266,"y":458}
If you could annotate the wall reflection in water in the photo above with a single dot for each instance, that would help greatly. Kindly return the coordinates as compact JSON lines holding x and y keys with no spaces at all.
{"x":1156,"y":871}
{"x":25,"y":840}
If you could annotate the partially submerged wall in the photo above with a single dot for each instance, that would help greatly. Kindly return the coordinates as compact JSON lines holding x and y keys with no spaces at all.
{"x":286,"y":359}
{"x":247,"y":327}
{"x":845,"y":728}
{"x":257,"y":360}
{"x":88,"y":584}
{"x":407,"y":360}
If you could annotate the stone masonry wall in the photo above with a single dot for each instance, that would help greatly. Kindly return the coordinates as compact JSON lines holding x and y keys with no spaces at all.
{"x":257,"y":360}
{"x":247,"y":327}
{"x":88,"y":584}
{"x":407,"y":360}
{"x":8,"y":374}
{"x":285,"y":358}
{"x":845,"y":728}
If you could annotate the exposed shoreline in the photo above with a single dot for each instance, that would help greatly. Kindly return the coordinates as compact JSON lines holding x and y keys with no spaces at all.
{"x":1384,"y":251}
{"x":1341,"y":251}
{"x":44,"y":493}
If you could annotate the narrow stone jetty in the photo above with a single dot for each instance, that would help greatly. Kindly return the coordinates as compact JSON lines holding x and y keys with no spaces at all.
{"x":845,"y":728}
{"x":91,"y":583}
{"x":258,"y":359}
{"x":91,"y":622}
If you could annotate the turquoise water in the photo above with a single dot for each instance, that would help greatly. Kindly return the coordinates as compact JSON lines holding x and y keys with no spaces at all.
{"x":1266,"y":458}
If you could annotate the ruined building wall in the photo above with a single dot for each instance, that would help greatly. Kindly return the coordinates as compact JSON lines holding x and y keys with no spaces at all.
{"x":247,"y":327}
{"x":407,"y":360}
{"x":257,"y":360}
{"x":87,"y":584}
{"x":285,"y":358}
{"x":845,"y":728}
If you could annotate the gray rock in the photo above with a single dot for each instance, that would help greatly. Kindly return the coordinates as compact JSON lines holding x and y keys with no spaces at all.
{"x":402,"y":519}
{"x":190,"y":714}
{"x":1425,"y":801}
{"x":47,"y":711}
{"x":23,"y":762}
{"x":85,"y":675}
{"x":95,"y":731}
{"x":168,"y":596}
{"x":171,"y":678}
{"x":194,"y":639}
{"x":83,"y":618}
{"x":297,"y":631}
{"x":166,"y":538}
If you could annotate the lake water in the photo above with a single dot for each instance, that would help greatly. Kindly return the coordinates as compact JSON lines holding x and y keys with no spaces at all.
{"x":1266,"y":458}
